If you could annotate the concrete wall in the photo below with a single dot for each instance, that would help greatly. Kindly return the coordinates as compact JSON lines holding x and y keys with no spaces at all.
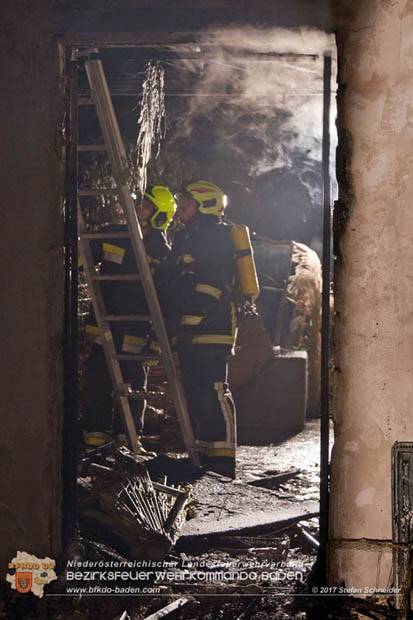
{"x":120,"y":20}
{"x":373,"y":388}
{"x":31,"y":282}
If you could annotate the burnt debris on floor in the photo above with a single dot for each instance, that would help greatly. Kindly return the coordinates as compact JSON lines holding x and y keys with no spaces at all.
{"x":254,"y":533}
{"x":238,"y":549}
{"x":121,"y":498}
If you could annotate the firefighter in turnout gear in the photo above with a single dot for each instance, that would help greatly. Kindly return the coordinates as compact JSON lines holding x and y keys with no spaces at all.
{"x":127,"y":297}
{"x":202,"y":317}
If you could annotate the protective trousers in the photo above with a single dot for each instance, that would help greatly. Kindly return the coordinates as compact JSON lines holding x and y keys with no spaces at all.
{"x":210,"y":404}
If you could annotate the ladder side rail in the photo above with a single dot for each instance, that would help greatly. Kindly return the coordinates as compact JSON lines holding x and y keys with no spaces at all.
{"x":109,"y":349}
{"x":117,"y":156}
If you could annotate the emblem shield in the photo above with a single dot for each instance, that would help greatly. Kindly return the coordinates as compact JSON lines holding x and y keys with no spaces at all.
{"x":24,"y":581}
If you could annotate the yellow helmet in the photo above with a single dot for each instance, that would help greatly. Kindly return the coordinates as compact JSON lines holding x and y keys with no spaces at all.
{"x":210,"y":198}
{"x":165,"y":204}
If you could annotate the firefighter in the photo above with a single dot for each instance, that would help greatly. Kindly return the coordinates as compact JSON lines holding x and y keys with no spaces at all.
{"x":116,"y":257}
{"x":202,"y":318}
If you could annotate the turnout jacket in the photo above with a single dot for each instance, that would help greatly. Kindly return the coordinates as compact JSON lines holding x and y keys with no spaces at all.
{"x":201,"y":305}
{"x":128,"y":297}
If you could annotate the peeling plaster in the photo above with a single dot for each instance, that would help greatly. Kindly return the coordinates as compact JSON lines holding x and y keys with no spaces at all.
{"x":366,"y":496}
{"x":351,"y":446}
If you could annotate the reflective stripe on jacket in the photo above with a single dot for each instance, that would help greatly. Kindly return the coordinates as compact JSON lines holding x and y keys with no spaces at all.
{"x":202,"y":288}
{"x":127,"y":297}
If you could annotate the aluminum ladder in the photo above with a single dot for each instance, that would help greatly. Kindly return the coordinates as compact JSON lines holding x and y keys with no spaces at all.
{"x":117,"y":157}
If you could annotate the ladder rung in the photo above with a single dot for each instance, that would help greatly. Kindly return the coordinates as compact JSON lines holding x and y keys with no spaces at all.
{"x":84,"y":101}
{"x":97,"y":192}
{"x":85,"y":148}
{"x":127,"y":317}
{"x":142,"y":395}
{"x":103,"y":235}
{"x":120,"y":278}
{"x":124,"y":357}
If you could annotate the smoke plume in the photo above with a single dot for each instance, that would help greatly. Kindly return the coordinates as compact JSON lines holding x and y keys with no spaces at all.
{"x":247,"y":104}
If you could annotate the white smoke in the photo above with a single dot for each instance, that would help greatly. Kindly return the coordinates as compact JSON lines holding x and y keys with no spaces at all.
{"x":263,"y":90}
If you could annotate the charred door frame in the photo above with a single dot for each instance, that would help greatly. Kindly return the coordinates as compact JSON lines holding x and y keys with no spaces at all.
{"x":70,"y":425}
{"x":325,"y":323}
{"x":70,"y":353}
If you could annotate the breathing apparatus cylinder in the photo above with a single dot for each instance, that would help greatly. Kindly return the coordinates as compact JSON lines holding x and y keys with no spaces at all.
{"x":247,"y":275}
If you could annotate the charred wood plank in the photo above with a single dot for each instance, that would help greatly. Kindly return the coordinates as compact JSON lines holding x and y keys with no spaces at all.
{"x":180,"y":602}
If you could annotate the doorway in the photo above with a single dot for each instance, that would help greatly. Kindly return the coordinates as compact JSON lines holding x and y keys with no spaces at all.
{"x":250,"y":117}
